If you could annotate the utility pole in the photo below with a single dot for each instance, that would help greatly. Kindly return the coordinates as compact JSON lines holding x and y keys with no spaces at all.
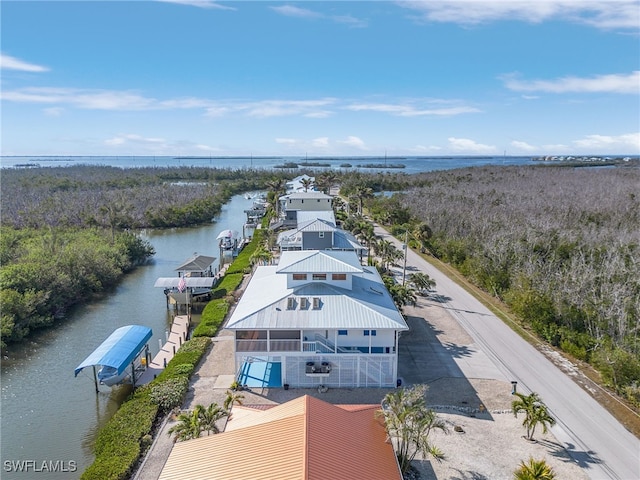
{"x":404,"y":267}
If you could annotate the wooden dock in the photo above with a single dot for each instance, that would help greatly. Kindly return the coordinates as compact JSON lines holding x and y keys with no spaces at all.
{"x":177,"y":336}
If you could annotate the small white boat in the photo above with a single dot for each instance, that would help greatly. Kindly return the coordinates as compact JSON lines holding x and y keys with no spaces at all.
{"x":109,"y":376}
{"x":228,"y":239}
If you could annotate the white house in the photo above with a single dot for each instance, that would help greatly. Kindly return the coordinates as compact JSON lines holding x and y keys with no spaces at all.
{"x":296,"y":185}
{"x":319,"y":234}
{"x":319,"y":317}
{"x":301,"y":206}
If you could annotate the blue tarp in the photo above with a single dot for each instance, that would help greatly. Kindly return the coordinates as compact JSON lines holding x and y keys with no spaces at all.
{"x":119,"y":350}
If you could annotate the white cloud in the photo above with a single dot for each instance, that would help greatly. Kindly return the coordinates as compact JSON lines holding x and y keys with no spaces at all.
{"x":133,"y":138}
{"x":53,"y":111}
{"x":298,"y":12}
{"x":465,"y":145}
{"x":286,"y":141}
{"x":627,"y":143}
{"x":8,"y":62}
{"x":209,"y":4}
{"x":524,"y":146}
{"x":87,"y":99}
{"x":612,"y":83}
{"x":292,"y":11}
{"x":320,"y":142}
{"x":354,"y":142}
{"x":611,"y":14}
{"x":278,"y":108}
{"x":406,"y":110}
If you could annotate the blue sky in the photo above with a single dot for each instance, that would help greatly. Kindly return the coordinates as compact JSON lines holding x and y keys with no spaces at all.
{"x":196,"y":77}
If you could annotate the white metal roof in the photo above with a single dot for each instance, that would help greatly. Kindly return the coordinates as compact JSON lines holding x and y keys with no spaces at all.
{"x":319,"y":261}
{"x":191,"y":282}
{"x":304,"y":216}
{"x":264,"y":305}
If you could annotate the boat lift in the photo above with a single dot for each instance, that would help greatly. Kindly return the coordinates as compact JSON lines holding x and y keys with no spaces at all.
{"x":118,"y":352}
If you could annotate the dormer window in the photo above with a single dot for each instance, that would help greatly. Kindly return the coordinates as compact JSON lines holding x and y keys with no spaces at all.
{"x":316,"y":303}
{"x":304,"y":303}
{"x":291,"y":303}
{"x":338,"y":276}
{"x":299,"y":276}
{"x":319,"y":276}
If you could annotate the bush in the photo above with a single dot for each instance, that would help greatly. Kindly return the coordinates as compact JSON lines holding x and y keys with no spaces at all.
{"x":212,"y":318}
{"x":125,"y":436}
{"x":169,"y":393}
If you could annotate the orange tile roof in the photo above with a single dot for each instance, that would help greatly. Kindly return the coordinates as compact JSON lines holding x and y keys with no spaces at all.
{"x":303,"y":439}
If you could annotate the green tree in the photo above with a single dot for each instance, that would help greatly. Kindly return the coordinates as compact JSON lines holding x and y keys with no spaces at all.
{"x":209,"y":417}
{"x":409,"y":423}
{"x":189,"y":425}
{"x":535,"y":413}
{"x":421,"y":281}
{"x":534,"y":470}
{"x":233,"y":398}
{"x":307,"y":183}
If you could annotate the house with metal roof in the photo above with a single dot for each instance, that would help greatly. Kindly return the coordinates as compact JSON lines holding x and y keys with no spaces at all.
{"x":293,"y":203}
{"x":318,"y":318}
{"x":303,"y":439}
{"x":296,"y":184}
{"x":319,"y":234}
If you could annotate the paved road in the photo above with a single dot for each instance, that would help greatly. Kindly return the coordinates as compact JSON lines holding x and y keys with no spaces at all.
{"x":593,"y":437}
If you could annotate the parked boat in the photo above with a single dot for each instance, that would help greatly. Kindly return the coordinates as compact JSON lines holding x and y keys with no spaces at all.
{"x":228,"y":239}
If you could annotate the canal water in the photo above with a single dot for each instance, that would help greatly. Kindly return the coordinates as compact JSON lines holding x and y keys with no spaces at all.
{"x":49,"y":418}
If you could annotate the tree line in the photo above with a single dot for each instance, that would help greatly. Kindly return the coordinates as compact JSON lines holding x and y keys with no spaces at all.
{"x":68,"y":233}
{"x":561,"y":246}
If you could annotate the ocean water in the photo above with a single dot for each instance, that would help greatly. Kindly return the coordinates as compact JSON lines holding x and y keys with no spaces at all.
{"x":382,"y":164}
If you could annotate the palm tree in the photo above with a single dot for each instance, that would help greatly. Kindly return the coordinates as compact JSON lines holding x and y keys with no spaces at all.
{"x":261,"y":255}
{"x":233,"y":398}
{"x":276,"y":188}
{"x":209,"y":417}
{"x":189,"y":425}
{"x":387,"y":252}
{"x":409,"y":423}
{"x":306,"y":183}
{"x":360,"y":193}
{"x":534,"y":470}
{"x":422,"y":233}
{"x":535,"y":412}
{"x":421,"y":281}
{"x":401,"y":294}
{"x":325,"y":181}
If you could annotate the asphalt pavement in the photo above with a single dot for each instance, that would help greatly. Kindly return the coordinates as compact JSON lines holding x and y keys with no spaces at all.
{"x":593,"y":437}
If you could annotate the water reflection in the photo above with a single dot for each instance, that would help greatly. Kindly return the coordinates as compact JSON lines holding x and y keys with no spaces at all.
{"x":47,"y":413}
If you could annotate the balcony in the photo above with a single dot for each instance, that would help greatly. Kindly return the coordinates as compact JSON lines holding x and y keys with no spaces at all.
{"x":279,"y":345}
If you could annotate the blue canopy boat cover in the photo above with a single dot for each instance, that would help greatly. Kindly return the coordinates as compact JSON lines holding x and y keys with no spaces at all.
{"x":119,"y":350}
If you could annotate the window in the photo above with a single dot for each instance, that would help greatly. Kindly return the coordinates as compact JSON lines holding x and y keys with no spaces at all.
{"x":304,"y":303}
{"x":321,"y":234}
{"x":319,"y":276}
{"x":338,"y":276}
{"x":369,"y":332}
{"x":343,"y":332}
{"x":291,"y":303}
{"x":299,"y":276}
{"x":316,"y":303}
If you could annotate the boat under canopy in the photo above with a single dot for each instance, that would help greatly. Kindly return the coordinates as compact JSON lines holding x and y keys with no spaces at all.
{"x":119,"y":350}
